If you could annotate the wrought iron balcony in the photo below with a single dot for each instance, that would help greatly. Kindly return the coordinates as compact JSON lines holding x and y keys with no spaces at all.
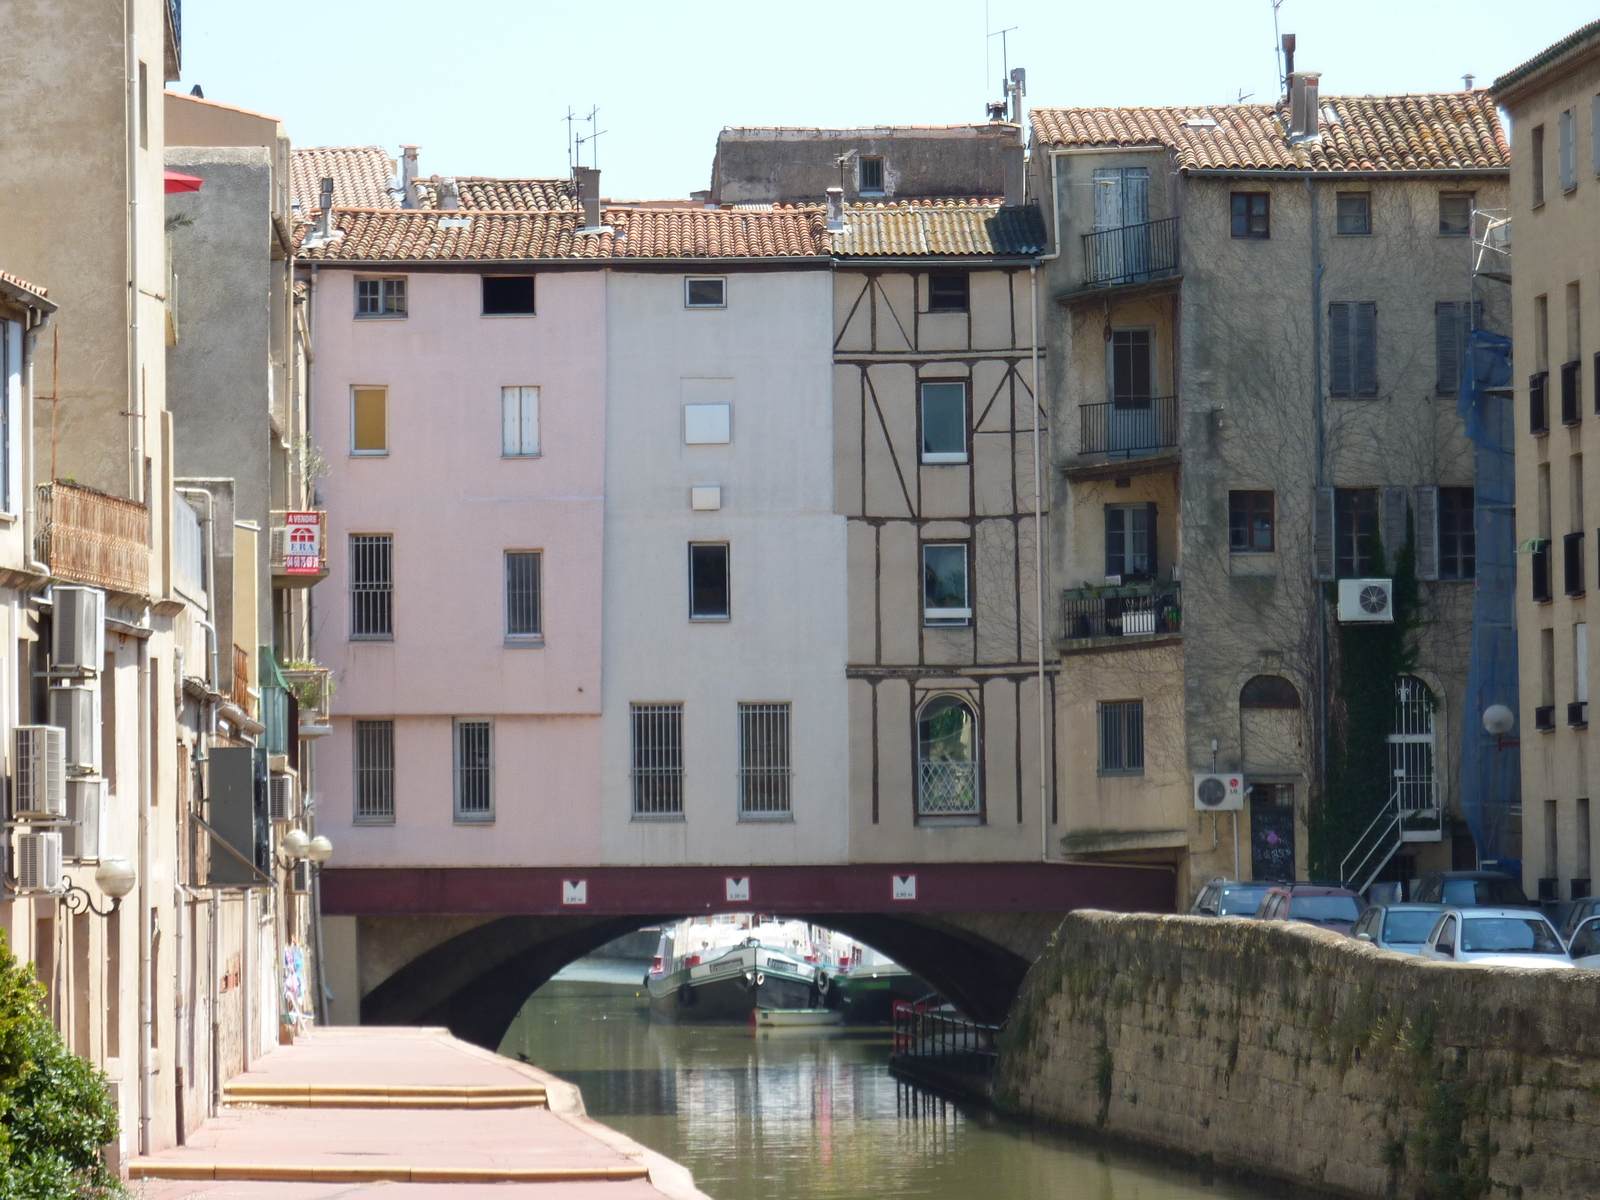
{"x":1120,"y":612}
{"x":1130,"y":254}
{"x":86,"y":536}
{"x":1120,"y":428}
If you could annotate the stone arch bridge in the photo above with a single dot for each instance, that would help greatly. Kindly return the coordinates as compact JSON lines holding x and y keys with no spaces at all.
{"x":465,"y":947}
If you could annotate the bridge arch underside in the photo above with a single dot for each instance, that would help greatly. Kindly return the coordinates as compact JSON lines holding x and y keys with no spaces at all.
{"x":474,"y":982}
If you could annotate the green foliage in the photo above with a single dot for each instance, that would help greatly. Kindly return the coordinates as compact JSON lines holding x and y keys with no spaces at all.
{"x":55,"y":1108}
{"x":1368,"y":660}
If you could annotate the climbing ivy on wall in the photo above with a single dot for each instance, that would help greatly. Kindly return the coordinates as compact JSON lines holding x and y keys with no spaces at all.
{"x":1367,"y":660}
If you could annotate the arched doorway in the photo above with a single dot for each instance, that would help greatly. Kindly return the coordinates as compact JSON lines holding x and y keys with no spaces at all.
{"x":1270,"y":729}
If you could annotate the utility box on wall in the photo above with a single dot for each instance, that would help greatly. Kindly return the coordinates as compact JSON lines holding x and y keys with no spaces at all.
{"x":236,"y":789}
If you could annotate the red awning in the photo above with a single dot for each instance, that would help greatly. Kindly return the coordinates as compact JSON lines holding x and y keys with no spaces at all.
{"x":182,"y":183}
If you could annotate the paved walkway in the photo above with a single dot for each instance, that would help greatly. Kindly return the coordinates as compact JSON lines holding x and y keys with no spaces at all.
{"x":407,"y":1114}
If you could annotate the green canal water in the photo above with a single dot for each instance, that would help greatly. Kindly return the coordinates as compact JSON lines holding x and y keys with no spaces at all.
{"x":805,"y":1115}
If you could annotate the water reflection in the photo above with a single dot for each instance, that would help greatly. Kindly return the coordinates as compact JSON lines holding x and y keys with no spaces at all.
{"x":804,"y":1114}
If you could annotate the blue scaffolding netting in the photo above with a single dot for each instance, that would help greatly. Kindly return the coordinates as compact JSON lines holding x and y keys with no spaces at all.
{"x":1491,"y":767}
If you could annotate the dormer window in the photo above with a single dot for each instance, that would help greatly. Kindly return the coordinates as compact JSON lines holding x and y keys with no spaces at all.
{"x":871,"y":175}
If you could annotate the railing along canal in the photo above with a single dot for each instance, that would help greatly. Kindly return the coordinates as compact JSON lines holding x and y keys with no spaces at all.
{"x":947,"y":1038}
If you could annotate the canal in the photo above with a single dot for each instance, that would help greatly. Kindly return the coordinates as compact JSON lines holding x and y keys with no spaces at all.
{"x":804,"y":1114}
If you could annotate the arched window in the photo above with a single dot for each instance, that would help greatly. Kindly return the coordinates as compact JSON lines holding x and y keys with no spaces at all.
{"x":947,"y":758}
{"x":1411,"y":745}
{"x":1269,"y":691}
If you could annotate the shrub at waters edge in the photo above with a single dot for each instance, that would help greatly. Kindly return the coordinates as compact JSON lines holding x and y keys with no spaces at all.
{"x":56,"y":1110}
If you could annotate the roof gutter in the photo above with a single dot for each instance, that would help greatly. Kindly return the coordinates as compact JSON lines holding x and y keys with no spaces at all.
{"x":1019,"y":261}
{"x":1292,"y":173}
{"x":367,"y":264}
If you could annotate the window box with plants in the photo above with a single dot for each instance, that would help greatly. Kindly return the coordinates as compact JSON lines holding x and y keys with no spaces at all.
{"x":312,"y":687}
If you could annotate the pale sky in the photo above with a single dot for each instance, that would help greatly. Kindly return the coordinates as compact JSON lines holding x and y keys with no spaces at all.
{"x":482,"y":85}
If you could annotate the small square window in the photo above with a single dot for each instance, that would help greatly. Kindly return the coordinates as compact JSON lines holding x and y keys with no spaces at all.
{"x":708,"y":581}
{"x":1251,"y":214}
{"x":369,"y":421}
{"x":508,"y":295}
{"x":1250,"y":522}
{"x":1455,"y":214}
{"x":707,"y":424}
{"x":705,"y":293}
{"x":872,"y":174}
{"x":944,"y":422}
{"x":947,"y":292}
{"x":1355,"y":213}
{"x":945,"y":597}
{"x":381,"y":297}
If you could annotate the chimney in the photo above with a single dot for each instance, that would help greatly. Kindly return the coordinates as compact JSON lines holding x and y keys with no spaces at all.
{"x":1017,"y":88}
{"x":1305,"y":112}
{"x":1016,"y":167}
{"x":589,"y":193}
{"x":835,"y":210}
{"x":449,"y":193}
{"x":1288,"y":55}
{"x":325,"y":217}
{"x":408,"y":176}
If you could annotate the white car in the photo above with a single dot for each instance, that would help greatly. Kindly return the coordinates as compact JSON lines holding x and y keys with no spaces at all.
{"x":1585,"y":944}
{"x":1496,"y":937}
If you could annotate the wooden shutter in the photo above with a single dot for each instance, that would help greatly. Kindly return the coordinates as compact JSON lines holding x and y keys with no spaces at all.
{"x":1107,"y":198}
{"x":1447,"y":347}
{"x":1426,"y":499}
{"x":1322,"y":534}
{"x":1135,"y":195}
{"x":1339,"y":379}
{"x":510,"y":422}
{"x":1393,"y":518}
{"x":530,"y":420}
{"x":1364,"y":349}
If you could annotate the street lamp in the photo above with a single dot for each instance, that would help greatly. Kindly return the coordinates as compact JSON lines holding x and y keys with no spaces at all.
{"x":295,"y":843}
{"x":114,"y":877}
{"x":1499,"y":720}
{"x":320,"y":850}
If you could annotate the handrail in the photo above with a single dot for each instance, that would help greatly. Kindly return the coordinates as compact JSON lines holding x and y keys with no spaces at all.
{"x":1130,"y":253}
{"x":1131,"y":425}
{"x":1388,"y":819}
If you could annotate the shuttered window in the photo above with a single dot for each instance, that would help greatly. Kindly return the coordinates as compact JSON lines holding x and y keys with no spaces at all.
{"x":474,"y":770}
{"x":374,"y":765}
{"x":372,"y":586}
{"x":519,"y":422}
{"x":1353,"y":349}
{"x":1458,"y":543}
{"x":1567,"y":138}
{"x":1425,"y":503}
{"x":1452,"y":321}
{"x":657,"y":760}
{"x":1322,"y":537}
{"x":1355,"y":521}
{"x":1393,"y":513}
{"x":1594,"y":134}
{"x":1122,"y":737}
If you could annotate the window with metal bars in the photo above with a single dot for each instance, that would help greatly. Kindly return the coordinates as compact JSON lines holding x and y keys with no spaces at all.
{"x":657,"y":760}
{"x":372,"y":586}
{"x":474,"y":770}
{"x":1122,"y":737}
{"x":374,"y":773}
{"x":764,"y":760}
{"x":523,"y":616}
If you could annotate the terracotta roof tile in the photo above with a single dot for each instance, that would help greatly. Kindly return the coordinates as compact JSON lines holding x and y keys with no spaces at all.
{"x":393,"y":235}
{"x":1567,"y":48}
{"x":483,"y":194}
{"x":24,"y":286}
{"x":1444,"y":131}
{"x":931,"y":228}
{"x":360,"y":176}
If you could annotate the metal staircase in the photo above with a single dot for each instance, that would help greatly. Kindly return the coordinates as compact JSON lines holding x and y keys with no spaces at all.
{"x":1411,"y":814}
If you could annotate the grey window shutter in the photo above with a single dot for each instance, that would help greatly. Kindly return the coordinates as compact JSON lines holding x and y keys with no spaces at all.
{"x":1447,"y":347}
{"x":1426,"y":499}
{"x":1150,"y":525}
{"x":1135,"y":195}
{"x":1365,"y":349}
{"x":1339,"y":351}
{"x":1107,"y":198}
{"x":1322,"y":534}
{"x":1115,"y":553}
{"x":1393,"y":517}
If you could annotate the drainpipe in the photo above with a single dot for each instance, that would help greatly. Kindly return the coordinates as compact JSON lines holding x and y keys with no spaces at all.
{"x":1038,"y":574}
{"x":1316,"y":375}
{"x":136,"y":400}
{"x":146,"y":981}
{"x":215,"y":938}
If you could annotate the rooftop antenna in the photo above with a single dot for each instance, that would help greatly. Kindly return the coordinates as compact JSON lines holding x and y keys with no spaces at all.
{"x":592,"y":139}
{"x":1005,"y":57}
{"x":1277,"y":49}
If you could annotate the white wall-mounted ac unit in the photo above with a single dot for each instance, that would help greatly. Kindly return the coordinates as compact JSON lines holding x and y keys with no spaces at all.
{"x":77,"y":629}
{"x":1366,"y":600}
{"x":39,"y":862}
{"x":76,"y":709}
{"x":86,"y":808}
{"x":1218,"y":793}
{"x":39,"y":771}
{"x":280,"y":797}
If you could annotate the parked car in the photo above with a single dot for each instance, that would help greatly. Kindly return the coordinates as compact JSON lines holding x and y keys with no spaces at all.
{"x":1229,"y":898}
{"x":1399,"y":927}
{"x":1469,"y":889}
{"x":1321,"y":904}
{"x":1585,"y":945}
{"x":1499,"y":937}
{"x":1578,"y":911}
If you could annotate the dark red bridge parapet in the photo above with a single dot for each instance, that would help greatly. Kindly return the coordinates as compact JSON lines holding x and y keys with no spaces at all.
{"x":853,"y":888}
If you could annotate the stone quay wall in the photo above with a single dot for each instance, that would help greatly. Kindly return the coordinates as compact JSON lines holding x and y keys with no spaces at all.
{"x":1291,"y":1053}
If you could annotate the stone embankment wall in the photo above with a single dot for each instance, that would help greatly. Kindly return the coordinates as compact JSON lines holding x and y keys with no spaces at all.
{"x":1296,"y":1054}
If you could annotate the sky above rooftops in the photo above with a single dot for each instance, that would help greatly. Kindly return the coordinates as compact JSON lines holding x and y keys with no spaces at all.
{"x":482,"y":85}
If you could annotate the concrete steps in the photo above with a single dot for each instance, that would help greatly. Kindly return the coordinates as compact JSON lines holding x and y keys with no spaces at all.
{"x":145,"y":1168}
{"x":327,"y":1095}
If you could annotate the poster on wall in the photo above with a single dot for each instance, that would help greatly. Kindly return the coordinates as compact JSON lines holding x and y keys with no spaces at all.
{"x":302,"y":543}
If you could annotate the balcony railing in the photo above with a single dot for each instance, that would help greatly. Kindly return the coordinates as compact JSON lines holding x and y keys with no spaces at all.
{"x":1130,"y":254}
{"x":312,"y":688}
{"x":947,"y":789}
{"x":1111,"y":612}
{"x":89,"y":537}
{"x":299,"y":548}
{"x":1121,"y":428}
{"x":239,"y":692}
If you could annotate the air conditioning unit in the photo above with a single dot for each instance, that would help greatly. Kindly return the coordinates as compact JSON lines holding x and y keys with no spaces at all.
{"x":86,"y":809}
{"x":1218,"y":793}
{"x":78,"y":629}
{"x":1366,"y":600}
{"x":76,"y":709}
{"x":39,"y":862}
{"x":39,"y":771}
{"x":280,"y":797}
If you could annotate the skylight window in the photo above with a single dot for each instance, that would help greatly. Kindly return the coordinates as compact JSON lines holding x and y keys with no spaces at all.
{"x":1200,"y":122}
